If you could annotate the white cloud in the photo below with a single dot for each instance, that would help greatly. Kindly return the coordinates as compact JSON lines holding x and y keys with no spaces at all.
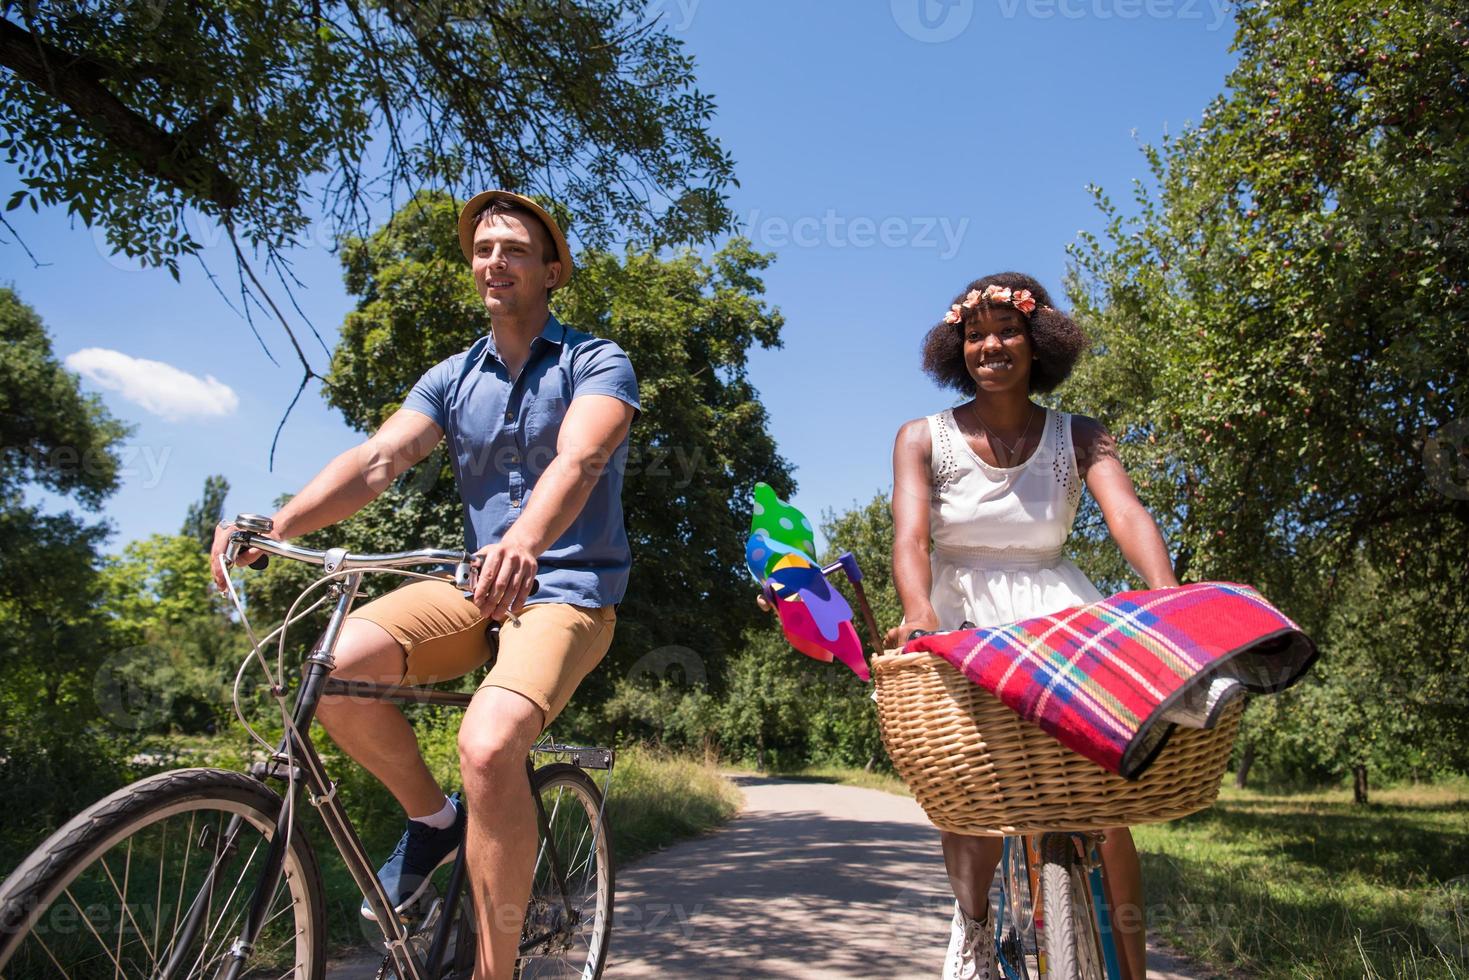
{"x":158,"y":387}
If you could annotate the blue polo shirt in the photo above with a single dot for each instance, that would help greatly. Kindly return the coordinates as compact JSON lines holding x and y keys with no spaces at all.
{"x":501,"y":436}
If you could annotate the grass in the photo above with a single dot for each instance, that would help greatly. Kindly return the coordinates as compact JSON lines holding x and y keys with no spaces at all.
{"x":1303,"y":884}
{"x":848,"y":776}
{"x":658,"y":798}
{"x":1278,"y":884}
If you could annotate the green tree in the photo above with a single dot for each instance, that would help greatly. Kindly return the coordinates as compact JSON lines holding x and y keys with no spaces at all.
{"x":53,"y":438}
{"x":160,"y":580}
{"x":134,"y":114}
{"x":53,"y":637}
{"x":696,"y":452}
{"x":845,"y":730}
{"x":766,"y":711}
{"x":204,"y":514}
{"x":1281,"y":335}
{"x":179,"y":649}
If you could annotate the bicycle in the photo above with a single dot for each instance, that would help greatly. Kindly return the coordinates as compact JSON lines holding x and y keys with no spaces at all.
{"x":1052,"y":909}
{"x":208,"y":872}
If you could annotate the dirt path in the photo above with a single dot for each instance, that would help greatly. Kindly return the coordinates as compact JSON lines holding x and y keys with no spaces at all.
{"x":812,"y":880}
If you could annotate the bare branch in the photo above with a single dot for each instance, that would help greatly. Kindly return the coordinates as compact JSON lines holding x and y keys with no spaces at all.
{"x":21,"y":242}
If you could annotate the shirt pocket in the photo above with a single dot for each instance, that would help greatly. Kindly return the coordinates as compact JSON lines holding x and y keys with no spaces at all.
{"x":542,"y":426}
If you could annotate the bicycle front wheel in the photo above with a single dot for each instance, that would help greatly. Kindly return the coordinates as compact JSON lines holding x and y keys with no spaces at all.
{"x":1073,"y":949}
{"x":156,"y":880}
{"x":569,"y":922}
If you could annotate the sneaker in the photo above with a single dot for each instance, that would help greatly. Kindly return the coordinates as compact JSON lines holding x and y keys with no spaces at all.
{"x":971,"y":948}
{"x":421,"y":850}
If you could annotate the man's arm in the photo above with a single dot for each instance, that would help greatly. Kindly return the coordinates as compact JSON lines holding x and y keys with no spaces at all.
{"x":347,"y":483}
{"x":593,"y":428}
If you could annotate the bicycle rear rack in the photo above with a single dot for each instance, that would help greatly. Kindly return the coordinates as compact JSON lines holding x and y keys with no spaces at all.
{"x":581,"y":756}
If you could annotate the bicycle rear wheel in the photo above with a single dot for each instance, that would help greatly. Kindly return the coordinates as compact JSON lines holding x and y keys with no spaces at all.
{"x":1073,"y":949}
{"x":569,"y":921}
{"x":157,"y":878}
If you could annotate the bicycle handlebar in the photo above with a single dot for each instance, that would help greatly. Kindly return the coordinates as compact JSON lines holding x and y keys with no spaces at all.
{"x":339,"y":559}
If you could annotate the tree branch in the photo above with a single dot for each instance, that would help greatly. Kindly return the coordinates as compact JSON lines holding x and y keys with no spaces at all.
{"x":75,"y":81}
{"x":21,"y":242}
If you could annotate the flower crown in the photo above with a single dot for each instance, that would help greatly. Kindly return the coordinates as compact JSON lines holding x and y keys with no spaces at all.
{"x":1021,"y":299}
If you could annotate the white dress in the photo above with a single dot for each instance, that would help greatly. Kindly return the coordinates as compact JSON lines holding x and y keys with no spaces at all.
{"x":998,"y":531}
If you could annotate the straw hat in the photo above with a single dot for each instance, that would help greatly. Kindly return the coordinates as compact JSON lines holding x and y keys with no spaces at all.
{"x":483,"y":199}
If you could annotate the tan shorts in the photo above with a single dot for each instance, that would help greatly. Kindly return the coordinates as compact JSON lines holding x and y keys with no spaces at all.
{"x":443,"y":637}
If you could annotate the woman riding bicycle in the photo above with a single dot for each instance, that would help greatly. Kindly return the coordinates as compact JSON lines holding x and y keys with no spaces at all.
{"x":995,"y":484}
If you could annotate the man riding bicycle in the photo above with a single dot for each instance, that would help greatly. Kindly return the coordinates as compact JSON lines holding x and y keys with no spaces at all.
{"x":537,"y":416}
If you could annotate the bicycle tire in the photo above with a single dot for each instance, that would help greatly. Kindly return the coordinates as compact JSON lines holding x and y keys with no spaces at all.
{"x":1069,"y":936}
{"x":84,"y":857}
{"x":582,"y":950}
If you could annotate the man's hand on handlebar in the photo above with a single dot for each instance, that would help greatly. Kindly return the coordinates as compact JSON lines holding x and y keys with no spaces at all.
{"x":507,"y":576}
{"x":247,"y":556}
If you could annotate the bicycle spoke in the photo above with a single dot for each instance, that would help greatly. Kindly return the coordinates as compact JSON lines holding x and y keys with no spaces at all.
{"x":122,"y":860}
{"x":230,"y":898}
{"x":571,"y":892}
{"x":90,"y":928}
{"x":61,"y":970}
{"x":178,"y":904}
{"x":121,"y":896}
{"x":579,"y":843}
{"x":126,"y":908}
{"x":231,"y":929}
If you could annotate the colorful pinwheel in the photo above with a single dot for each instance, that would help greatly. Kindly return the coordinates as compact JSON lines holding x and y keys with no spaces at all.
{"x":815,"y":617}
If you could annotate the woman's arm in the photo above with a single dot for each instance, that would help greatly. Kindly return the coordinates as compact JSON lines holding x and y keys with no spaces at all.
{"x":912,"y":491}
{"x":1129,"y":522}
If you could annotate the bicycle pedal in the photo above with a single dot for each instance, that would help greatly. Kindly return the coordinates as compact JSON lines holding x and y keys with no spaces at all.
{"x":424,"y":910}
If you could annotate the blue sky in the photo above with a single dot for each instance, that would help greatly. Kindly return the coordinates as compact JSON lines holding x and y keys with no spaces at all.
{"x":888,"y":152}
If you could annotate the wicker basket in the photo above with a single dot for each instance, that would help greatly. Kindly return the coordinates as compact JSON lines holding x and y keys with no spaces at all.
{"x":976,"y":767}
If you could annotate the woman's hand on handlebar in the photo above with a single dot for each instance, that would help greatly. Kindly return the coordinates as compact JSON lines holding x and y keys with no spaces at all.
{"x":898,"y":635}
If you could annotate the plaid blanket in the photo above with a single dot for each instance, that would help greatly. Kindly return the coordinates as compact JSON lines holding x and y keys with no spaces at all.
{"x":1111,"y":679}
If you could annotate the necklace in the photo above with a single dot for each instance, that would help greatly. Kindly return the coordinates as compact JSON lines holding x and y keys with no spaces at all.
{"x":1011,"y":451}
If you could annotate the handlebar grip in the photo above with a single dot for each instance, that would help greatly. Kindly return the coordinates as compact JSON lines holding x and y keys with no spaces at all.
{"x":261,"y":563}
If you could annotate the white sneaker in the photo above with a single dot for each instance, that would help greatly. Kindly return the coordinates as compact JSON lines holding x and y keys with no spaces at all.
{"x":971,"y":948}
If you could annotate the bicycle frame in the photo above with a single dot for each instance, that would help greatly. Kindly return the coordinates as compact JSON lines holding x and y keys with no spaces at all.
{"x":1013,"y":856}
{"x":297,"y":763}
{"x":1100,"y":909}
{"x":307,"y":776}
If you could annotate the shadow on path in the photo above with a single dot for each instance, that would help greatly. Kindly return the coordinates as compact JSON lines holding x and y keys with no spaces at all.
{"x":813,"y":880}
